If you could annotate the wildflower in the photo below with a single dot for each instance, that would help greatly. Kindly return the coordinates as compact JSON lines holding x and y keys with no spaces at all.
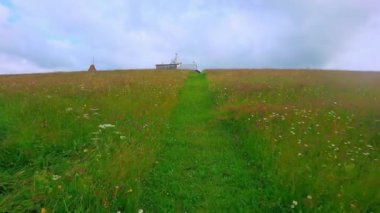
{"x":85,"y":150}
{"x":140,"y":211}
{"x":294,"y":204}
{"x":56,"y":177}
{"x":122,"y":137}
{"x":43,"y":210}
{"x":69,"y":109}
{"x":366,"y":153}
{"x":86,"y":116}
{"x":299,"y":154}
{"x":309,"y":197}
{"x":130,"y":190}
{"x":105,"y":126}
{"x":59,"y":186}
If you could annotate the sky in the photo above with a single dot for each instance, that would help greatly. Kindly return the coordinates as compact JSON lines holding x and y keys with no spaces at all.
{"x":45,"y":35}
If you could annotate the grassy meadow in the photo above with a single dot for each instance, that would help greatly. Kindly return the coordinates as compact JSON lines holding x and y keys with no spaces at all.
{"x":80,"y":141}
{"x":312,"y":136}
{"x":178,"y":141}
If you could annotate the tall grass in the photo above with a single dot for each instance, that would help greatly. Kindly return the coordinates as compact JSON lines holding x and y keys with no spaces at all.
{"x":80,"y":141}
{"x":313,"y":136}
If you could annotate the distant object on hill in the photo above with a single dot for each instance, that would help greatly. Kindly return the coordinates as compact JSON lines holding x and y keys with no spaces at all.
{"x":92,"y":66}
{"x":176,"y":64}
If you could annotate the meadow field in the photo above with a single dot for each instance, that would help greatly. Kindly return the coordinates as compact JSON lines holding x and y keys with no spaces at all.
{"x":179,"y":141}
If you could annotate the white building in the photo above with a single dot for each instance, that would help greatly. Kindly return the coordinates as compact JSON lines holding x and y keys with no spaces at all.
{"x":176,"y":64}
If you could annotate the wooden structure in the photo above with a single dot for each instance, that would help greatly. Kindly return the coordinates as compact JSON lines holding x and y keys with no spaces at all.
{"x":92,"y":68}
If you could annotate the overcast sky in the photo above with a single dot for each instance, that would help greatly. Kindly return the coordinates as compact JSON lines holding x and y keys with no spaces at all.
{"x":46,"y":35}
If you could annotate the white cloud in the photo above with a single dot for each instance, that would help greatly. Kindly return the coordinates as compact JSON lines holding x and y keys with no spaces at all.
{"x":53,"y":35}
{"x":362,"y":51}
{"x":17,"y":65}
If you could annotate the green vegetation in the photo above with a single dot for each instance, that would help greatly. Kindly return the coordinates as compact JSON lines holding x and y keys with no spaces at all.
{"x":80,"y":141}
{"x":198,"y":168}
{"x":313,"y":135}
{"x":161,"y":141}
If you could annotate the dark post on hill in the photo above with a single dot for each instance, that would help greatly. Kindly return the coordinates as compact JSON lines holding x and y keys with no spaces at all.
{"x":92,"y":67}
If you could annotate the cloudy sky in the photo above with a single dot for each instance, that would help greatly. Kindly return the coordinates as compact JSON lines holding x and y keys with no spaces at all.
{"x":45,"y":35}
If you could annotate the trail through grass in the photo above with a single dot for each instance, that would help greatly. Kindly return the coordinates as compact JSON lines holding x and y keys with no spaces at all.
{"x":199,"y":168}
{"x":168,"y":141}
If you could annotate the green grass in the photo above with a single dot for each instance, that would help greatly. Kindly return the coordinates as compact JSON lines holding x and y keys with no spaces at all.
{"x":198,"y":168}
{"x":54,"y":153}
{"x":318,"y":135}
{"x":161,"y":141}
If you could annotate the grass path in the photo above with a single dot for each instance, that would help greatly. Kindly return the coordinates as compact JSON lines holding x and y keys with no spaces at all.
{"x":199,"y":167}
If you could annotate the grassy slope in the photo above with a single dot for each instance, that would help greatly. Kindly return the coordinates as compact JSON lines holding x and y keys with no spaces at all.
{"x":198,"y":168}
{"x":234,"y":141}
{"x":54,"y":155}
{"x":318,"y":135}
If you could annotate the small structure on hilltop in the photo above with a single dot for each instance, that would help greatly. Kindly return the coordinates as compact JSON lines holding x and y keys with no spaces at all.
{"x":92,"y":66}
{"x":176,"y":64}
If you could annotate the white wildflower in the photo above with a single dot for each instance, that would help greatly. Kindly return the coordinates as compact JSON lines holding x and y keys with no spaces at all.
{"x":105,"y":126}
{"x":56,"y":177}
